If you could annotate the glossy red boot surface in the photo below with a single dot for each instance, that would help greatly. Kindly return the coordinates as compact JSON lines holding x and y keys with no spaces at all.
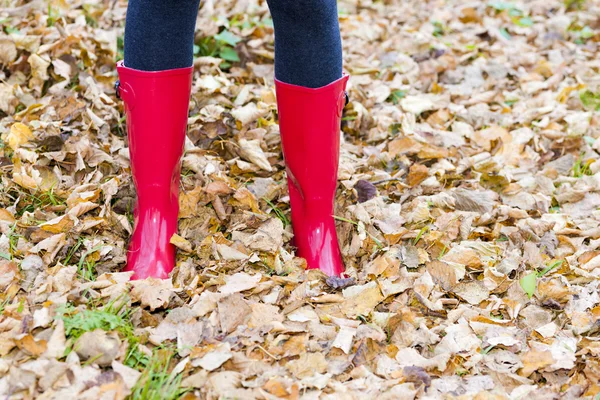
{"x":156,"y":108}
{"x":309,"y":121}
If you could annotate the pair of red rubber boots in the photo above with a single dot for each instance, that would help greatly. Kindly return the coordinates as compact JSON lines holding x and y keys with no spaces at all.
{"x":156,"y":108}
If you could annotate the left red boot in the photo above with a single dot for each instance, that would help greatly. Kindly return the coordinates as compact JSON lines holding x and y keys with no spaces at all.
{"x":156,"y":109}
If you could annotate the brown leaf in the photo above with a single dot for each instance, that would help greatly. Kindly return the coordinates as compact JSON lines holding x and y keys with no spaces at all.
{"x":152,"y":293}
{"x":233,"y":311}
{"x":473,"y":200}
{"x":417,"y":375}
{"x":361,"y":300}
{"x":445,"y":275}
{"x":33,"y":347}
{"x":60,"y":224}
{"x":403,"y":145}
{"x":535,"y":360}
{"x":417,"y":174}
{"x":181,"y":243}
{"x":99,"y":346}
{"x":307,"y":365}
{"x":247,"y":199}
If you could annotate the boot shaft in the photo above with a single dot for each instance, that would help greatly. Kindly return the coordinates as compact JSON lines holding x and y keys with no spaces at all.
{"x":156,"y":107}
{"x":309,"y":122}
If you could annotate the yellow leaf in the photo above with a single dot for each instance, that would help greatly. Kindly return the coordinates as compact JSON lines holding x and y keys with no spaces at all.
{"x":246,"y":198}
{"x":563,"y":96}
{"x":535,"y":360}
{"x":61,"y":224}
{"x":31,"y":346}
{"x":181,"y":243}
{"x":19,"y":135}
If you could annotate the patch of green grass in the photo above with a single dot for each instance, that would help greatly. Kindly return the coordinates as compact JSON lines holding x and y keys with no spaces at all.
{"x":52,"y":15}
{"x":120,"y":47}
{"x":87,"y":268}
{"x":529,"y":282}
{"x":158,"y":380}
{"x":582,"y":168}
{"x":221,"y":45}
{"x":517,"y":16}
{"x":438,"y":29}
{"x":420,"y":234}
{"x":523,"y":21}
{"x":590,"y":99}
{"x":114,"y":316}
{"x":8,"y":29}
{"x":278,"y":213}
{"x":13,"y":240}
{"x":111,"y":317}
{"x":246,"y":21}
{"x":501,"y":5}
{"x":396,"y":96}
{"x":554,"y":265}
{"x":581,"y":33}
{"x":574,"y":4}
{"x":72,"y":251}
{"x":38,"y":200}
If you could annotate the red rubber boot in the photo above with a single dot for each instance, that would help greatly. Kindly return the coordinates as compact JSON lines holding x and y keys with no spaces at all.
{"x":309,"y":121}
{"x":156,"y":109}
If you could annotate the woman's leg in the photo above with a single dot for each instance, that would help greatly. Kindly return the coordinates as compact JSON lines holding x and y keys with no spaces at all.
{"x":159,"y":34}
{"x":155,"y":84}
{"x":308,"y":48}
{"x":310,"y":97}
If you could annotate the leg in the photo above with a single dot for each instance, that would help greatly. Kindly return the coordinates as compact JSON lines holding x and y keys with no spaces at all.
{"x":159,"y":34}
{"x":155,"y":84}
{"x":308,"y":47}
{"x":310,"y":97}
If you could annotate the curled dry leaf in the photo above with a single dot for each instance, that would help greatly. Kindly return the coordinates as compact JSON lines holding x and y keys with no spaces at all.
{"x":365,"y":190}
{"x":99,"y":346}
{"x":19,"y":134}
{"x":251,"y":151}
{"x":239,"y":282}
{"x":152,"y":293}
{"x":181,"y":243}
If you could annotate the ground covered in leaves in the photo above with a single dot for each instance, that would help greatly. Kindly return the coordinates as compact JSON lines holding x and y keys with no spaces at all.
{"x":468,"y":212}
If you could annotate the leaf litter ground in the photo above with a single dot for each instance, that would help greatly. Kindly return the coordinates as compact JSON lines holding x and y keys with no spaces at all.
{"x":468,"y":212}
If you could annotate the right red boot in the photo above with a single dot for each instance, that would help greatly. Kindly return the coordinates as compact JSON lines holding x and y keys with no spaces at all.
{"x":156,"y":109}
{"x":309,"y":121}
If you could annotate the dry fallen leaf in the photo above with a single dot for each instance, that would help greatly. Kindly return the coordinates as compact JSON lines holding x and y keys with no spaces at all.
{"x":152,"y":293}
{"x":19,"y":134}
{"x":98,"y":346}
{"x":239,"y":282}
{"x":181,"y":243}
{"x":307,"y":365}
